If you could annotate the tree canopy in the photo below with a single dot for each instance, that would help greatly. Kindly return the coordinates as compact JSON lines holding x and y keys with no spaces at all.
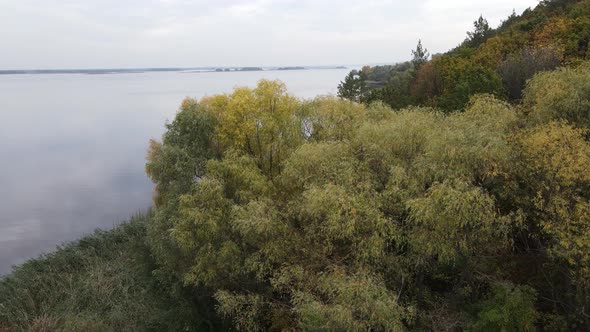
{"x":328,"y":214}
{"x":383,"y":209}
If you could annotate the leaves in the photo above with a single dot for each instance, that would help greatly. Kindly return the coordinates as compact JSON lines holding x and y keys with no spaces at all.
{"x":331,"y":215}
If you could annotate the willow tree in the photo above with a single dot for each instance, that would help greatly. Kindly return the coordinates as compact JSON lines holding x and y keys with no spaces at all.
{"x":333,"y":215}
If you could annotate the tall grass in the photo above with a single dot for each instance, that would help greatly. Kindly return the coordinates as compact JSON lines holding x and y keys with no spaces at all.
{"x":102,"y":282}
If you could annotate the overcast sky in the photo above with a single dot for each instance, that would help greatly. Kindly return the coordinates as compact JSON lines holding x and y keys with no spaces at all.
{"x":53,"y":34}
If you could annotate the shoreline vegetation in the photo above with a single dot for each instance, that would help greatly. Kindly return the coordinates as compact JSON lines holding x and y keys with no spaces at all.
{"x":153,"y":70}
{"x":102,"y":282}
{"x":447,"y":193}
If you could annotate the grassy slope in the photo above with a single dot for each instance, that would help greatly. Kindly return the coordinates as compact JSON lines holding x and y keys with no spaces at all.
{"x":100,"y":283}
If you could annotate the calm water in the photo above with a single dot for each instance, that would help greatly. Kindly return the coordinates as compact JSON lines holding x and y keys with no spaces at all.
{"x":72,"y":147}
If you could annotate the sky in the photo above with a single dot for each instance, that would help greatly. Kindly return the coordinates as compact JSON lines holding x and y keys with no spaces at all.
{"x":73,"y":34}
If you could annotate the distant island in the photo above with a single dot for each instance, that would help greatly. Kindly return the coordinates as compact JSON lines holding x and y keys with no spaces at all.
{"x":219,"y":70}
{"x":147,"y":70}
{"x":291,"y":68}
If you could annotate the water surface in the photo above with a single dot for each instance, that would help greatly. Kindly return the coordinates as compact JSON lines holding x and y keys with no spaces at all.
{"x":72,"y":146}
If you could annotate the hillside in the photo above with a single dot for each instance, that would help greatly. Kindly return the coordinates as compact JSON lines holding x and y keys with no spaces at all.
{"x":495,"y":61}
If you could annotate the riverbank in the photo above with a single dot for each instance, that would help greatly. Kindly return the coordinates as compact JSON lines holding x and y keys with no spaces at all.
{"x":102,"y":282}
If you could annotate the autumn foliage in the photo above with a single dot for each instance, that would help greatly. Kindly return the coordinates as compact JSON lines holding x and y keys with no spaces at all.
{"x":333,"y":215}
{"x":494,"y":61}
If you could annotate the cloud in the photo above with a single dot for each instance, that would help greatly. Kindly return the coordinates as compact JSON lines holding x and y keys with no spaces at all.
{"x":139,"y":33}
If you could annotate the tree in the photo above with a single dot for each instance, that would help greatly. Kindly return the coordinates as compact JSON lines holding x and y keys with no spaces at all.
{"x":521,"y":66}
{"x":480,"y":33}
{"x":563,"y":94}
{"x":187,"y":145}
{"x":552,"y":167}
{"x":420,"y":55}
{"x":259,"y":122}
{"x":508,"y":308}
{"x":428,"y":83}
{"x":396,"y":93}
{"x":354,"y":86}
{"x":347,"y":89}
{"x":449,"y":82}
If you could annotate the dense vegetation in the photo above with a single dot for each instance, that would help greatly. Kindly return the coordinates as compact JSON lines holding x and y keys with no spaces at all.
{"x":332,"y":215}
{"x":101,"y":283}
{"x":386,"y":212}
{"x":494,"y":61}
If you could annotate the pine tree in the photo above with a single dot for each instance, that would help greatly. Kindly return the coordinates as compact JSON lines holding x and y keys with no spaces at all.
{"x":480,"y":33}
{"x":420,"y":55}
{"x":354,"y":86}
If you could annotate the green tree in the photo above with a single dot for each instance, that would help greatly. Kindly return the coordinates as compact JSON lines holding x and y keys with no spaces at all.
{"x":563,"y":94}
{"x":480,"y":33}
{"x":508,"y":308}
{"x":354,"y":86}
{"x":420,"y":55}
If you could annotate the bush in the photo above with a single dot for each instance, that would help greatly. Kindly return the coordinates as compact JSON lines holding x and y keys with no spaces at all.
{"x":563,"y":94}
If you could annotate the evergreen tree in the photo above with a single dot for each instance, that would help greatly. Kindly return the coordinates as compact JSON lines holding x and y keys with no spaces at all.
{"x":420,"y":55}
{"x":480,"y":33}
{"x":354,"y":86}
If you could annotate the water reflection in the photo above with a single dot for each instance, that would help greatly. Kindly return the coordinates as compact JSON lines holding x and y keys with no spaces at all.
{"x":73,"y":147}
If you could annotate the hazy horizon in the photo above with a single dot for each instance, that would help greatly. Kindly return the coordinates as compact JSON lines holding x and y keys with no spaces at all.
{"x":327,"y":66}
{"x":232,"y":33}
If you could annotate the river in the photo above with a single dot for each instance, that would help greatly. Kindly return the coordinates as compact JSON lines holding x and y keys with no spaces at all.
{"x":72,"y":146}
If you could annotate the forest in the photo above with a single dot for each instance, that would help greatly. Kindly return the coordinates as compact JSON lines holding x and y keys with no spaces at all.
{"x":494,"y":61}
{"x":449,"y":193}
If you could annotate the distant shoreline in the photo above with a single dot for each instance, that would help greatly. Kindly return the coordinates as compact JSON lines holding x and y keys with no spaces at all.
{"x":150,"y":70}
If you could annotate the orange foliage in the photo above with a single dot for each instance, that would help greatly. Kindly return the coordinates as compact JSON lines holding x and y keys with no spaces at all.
{"x":550,"y":34}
